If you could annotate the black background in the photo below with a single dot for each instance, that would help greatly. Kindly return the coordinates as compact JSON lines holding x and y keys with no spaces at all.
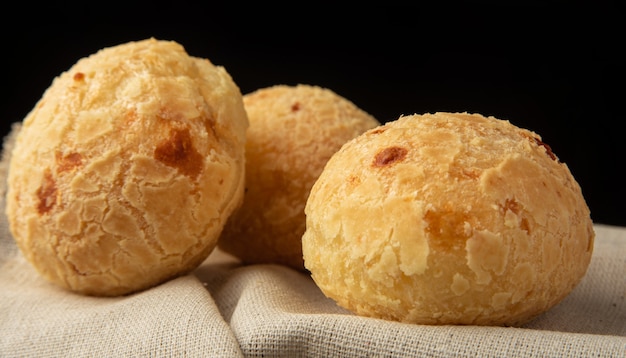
{"x":550,"y":67}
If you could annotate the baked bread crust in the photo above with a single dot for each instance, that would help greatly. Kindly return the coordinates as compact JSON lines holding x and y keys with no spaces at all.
{"x":293,"y":132}
{"x":124,"y":173}
{"x":447,"y":218}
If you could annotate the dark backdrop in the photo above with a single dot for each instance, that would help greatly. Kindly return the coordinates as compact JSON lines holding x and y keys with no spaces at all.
{"x":552,"y":68}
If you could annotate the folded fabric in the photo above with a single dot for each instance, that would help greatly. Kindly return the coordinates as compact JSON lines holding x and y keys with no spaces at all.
{"x":274,"y":311}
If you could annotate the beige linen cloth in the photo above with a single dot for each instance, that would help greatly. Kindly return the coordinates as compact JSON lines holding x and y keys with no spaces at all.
{"x":225,"y":309}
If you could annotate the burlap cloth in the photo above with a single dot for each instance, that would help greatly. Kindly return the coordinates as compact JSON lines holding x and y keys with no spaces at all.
{"x":230,"y":310}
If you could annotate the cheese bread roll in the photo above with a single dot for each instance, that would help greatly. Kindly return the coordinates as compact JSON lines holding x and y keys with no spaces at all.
{"x":124,"y":173}
{"x":293,"y":132}
{"x":447,"y":218}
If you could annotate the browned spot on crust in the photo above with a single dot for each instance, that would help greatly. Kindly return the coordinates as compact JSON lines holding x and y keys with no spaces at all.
{"x":295,"y":107}
{"x":446,"y":228}
{"x":471,"y":173}
{"x":466,"y":173}
{"x":130,"y":117}
{"x":379,"y":130}
{"x":46,"y":193}
{"x":353,"y":180}
{"x":548,"y":149}
{"x":389,"y":156}
{"x":178,"y":152}
{"x":79,"y":76}
{"x":209,"y":123}
{"x":68,"y":162}
{"x":513,"y":206}
{"x":524,"y":225}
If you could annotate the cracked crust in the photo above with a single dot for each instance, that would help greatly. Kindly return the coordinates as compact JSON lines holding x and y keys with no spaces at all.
{"x":447,"y":218}
{"x":293,"y":132}
{"x":126,"y":170}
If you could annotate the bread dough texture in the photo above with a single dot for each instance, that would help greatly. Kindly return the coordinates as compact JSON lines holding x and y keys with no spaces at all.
{"x":124,"y":173}
{"x":293,"y":132}
{"x":447,"y":218}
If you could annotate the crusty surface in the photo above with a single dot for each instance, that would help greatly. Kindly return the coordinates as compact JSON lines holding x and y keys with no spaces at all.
{"x":123,"y":174}
{"x":293,"y":132}
{"x":447,"y":218}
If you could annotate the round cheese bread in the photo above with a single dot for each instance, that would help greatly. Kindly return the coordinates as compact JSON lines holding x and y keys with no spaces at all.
{"x":124,"y":173}
{"x":293,"y":132}
{"x":447,"y":218}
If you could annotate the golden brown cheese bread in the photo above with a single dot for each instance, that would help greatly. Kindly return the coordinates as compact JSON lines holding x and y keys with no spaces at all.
{"x":124,"y":173}
{"x":293,"y":132}
{"x":447,"y":218}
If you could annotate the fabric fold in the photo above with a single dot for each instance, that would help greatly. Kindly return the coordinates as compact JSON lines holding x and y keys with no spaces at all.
{"x":37,"y":319}
{"x":178,"y":318}
{"x":276,"y":311}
